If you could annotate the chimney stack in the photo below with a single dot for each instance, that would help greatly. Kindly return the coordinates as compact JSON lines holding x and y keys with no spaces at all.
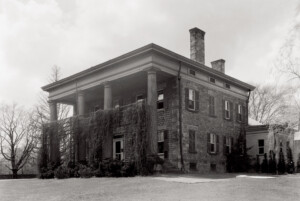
{"x":218,"y":65}
{"x":197,"y":45}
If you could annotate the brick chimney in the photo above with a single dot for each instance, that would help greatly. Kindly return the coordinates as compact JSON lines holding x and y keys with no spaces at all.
{"x":197,"y":45}
{"x":218,"y":65}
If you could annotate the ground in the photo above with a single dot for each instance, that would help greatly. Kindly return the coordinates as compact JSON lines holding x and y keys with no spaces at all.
{"x":163,"y":187}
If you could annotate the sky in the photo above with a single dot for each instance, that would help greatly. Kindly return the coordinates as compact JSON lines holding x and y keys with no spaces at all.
{"x":35,"y":35}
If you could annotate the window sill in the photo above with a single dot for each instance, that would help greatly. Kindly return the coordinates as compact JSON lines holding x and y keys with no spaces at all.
{"x":213,"y":153}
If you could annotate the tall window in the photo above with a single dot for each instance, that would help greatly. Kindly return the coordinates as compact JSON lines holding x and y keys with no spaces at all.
{"x":192,"y":141}
{"x":160,"y":142}
{"x":227,"y":110}
{"x":211,"y":106}
{"x":239,"y":112}
{"x":160,"y":99}
{"x":261,"y":146}
{"x":213,"y":143}
{"x":191,"y":100}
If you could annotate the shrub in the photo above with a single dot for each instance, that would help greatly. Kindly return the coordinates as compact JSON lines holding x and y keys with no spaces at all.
{"x":46,"y":173}
{"x":281,"y":163}
{"x":62,"y":172}
{"x":85,"y":172}
{"x":129,"y":170}
{"x":264,"y":165}
{"x":272,"y":162}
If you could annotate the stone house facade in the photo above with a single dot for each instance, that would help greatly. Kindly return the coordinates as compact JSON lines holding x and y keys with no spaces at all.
{"x":196,"y":111}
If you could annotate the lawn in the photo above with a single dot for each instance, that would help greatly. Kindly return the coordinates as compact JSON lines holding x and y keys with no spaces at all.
{"x":163,"y":187}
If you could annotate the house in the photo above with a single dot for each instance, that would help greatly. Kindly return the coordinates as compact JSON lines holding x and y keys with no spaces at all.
{"x":261,"y":139}
{"x":196,"y":111}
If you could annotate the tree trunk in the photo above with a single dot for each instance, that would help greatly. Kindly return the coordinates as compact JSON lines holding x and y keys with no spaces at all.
{"x":15,"y":173}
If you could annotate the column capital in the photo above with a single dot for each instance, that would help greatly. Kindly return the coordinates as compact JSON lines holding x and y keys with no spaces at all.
{"x":107,"y":84}
{"x":152,"y":69}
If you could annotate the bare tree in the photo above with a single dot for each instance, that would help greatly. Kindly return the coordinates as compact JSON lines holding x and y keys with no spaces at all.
{"x":270,"y":104}
{"x":42,"y":111}
{"x":18,"y":136}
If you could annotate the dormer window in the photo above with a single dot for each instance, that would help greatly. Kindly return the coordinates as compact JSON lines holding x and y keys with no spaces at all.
{"x":227,"y":85}
{"x":192,"y":72}
{"x":213,"y":80}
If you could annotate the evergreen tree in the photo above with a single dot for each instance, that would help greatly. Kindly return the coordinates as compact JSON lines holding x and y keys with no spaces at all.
{"x":281,"y":163}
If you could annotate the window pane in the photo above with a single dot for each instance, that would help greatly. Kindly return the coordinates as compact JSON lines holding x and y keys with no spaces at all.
{"x":160,"y":146}
{"x":261,"y":143}
{"x":191,"y":94}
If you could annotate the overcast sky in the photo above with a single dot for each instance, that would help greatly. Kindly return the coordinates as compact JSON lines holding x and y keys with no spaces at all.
{"x":35,"y":35}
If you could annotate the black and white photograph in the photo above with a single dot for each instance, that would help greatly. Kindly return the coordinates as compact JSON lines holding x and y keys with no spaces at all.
{"x":172,"y":100}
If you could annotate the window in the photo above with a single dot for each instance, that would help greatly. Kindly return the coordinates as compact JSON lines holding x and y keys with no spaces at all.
{"x":192,"y":72}
{"x":228,"y":145}
{"x":160,"y":99}
{"x":192,"y":141}
{"x":211,"y":106}
{"x":261,"y":146}
{"x":212,"y":143}
{"x":227,"y":85}
{"x":160,"y":142}
{"x":118,"y":152}
{"x":239,"y":112}
{"x":281,"y":146}
{"x":227,"y":110}
{"x":193,"y":166}
{"x":191,"y":99}
{"x":140,"y":98}
{"x":213,"y":80}
{"x":116,"y":103}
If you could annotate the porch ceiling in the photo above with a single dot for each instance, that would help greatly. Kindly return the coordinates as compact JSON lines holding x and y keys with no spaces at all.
{"x":127,"y":84}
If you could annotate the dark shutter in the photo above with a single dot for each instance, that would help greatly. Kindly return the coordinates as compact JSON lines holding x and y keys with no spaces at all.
{"x":186,"y":98}
{"x":197,"y":102}
{"x":217,"y":144}
{"x":224,"y":145}
{"x":208,"y":142}
{"x":244,"y":115}
{"x":231,"y":110}
{"x":232,"y":145}
{"x":213,"y":105}
{"x":166,"y":144}
{"x":223,"y":108}
{"x":237,"y":112}
{"x":192,"y":143}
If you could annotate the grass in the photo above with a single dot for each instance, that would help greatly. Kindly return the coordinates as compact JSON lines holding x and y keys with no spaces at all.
{"x":164,"y":187}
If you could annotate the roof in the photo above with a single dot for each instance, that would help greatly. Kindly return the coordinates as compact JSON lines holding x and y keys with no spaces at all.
{"x":147,"y":48}
{"x":257,"y":128}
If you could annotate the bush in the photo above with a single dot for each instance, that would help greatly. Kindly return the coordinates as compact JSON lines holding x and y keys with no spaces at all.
{"x":264,"y":165}
{"x":129,"y":170}
{"x":281,"y":163}
{"x":62,"y":172}
{"x":85,"y":172}
{"x":46,"y":173}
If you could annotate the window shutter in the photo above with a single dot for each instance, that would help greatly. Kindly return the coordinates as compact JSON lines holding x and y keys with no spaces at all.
{"x":223,"y":108}
{"x":197,"y":102}
{"x":231,"y":110}
{"x":217,"y":144}
{"x":192,"y":141}
{"x":186,"y":98}
{"x":244,"y":115}
{"x":213,"y":105}
{"x":224,"y":145}
{"x":237,"y":112}
{"x":208,"y":143}
{"x":166,"y":144}
{"x":232,"y":145}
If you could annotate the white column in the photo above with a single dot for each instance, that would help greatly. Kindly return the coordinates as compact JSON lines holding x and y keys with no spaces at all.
{"x":53,"y":110}
{"x":107,"y":96}
{"x":152,"y":103}
{"x":80,"y":103}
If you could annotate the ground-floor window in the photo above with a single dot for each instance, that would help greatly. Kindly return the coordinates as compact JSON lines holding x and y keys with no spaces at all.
{"x":228,"y":144}
{"x":118,"y":148}
{"x":160,"y":142}
{"x":261,"y":146}
{"x":212,"y":143}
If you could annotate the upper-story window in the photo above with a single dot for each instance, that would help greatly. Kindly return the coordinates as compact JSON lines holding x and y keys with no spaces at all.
{"x":213,"y":80}
{"x":239,"y":112}
{"x":140,"y":97}
{"x":227,"y":110}
{"x":211,"y":106}
{"x":192,"y":72}
{"x":160,"y":99}
{"x":261,"y":146}
{"x":192,"y":101}
{"x":227,"y":85}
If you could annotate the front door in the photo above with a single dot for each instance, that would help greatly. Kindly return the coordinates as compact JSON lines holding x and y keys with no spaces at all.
{"x":118,"y":147}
